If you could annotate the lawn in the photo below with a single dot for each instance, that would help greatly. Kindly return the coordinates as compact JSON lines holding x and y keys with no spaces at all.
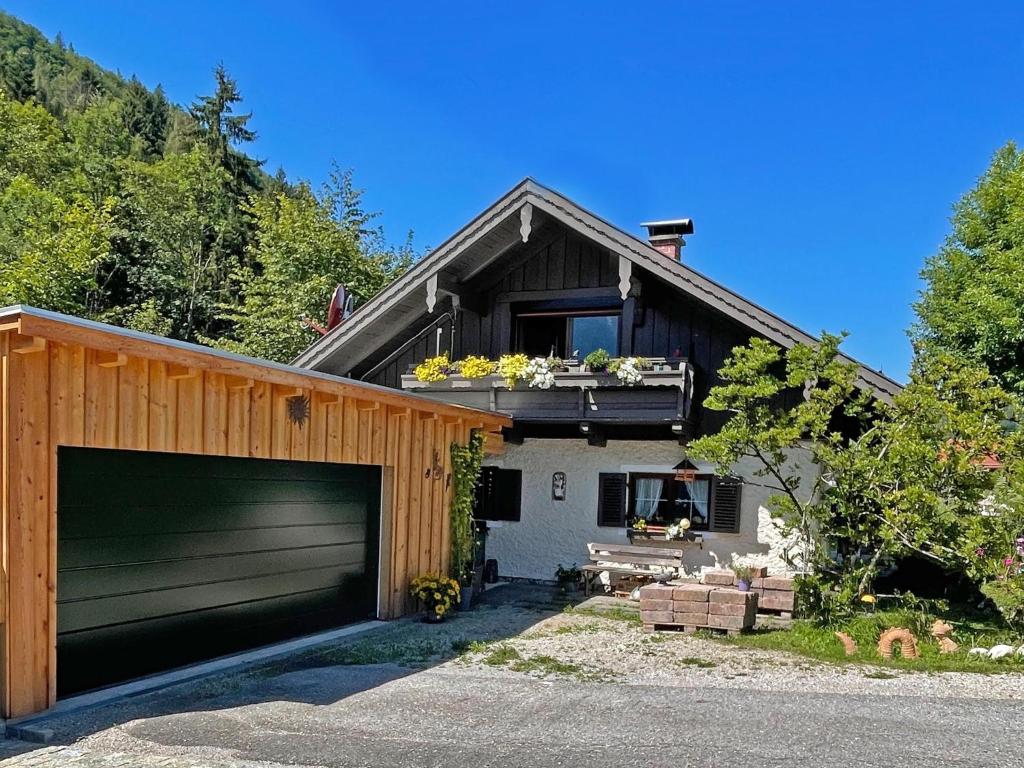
{"x":809,"y":639}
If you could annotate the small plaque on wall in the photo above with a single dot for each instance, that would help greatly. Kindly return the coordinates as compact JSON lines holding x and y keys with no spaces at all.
{"x":558,"y":486}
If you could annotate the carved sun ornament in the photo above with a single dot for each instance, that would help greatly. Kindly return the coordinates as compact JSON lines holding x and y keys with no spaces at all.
{"x":298,"y":409}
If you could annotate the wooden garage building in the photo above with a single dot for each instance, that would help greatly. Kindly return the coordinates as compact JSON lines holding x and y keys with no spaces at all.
{"x":164,"y":502}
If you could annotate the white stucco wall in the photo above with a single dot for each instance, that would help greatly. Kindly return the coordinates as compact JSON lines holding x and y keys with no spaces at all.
{"x":552,"y":532}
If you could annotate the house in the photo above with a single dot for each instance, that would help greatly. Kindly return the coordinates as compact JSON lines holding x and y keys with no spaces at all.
{"x":587,"y":455}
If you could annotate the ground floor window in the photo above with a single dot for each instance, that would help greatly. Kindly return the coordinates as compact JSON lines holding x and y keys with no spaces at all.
{"x":663,"y":499}
{"x":709,"y":502}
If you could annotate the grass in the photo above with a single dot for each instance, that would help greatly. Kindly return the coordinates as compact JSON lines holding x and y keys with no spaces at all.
{"x":617,"y":614}
{"x":810,"y":640}
{"x":378,"y":652}
{"x":502,"y":655}
{"x":547,"y":665}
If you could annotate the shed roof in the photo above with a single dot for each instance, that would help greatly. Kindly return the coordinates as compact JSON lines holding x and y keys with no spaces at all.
{"x":39,"y":323}
{"x":498,"y":228}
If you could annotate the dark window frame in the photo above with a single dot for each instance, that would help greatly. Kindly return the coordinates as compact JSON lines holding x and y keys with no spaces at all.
{"x":668,"y":494}
{"x":569,"y":313}
{"x":617,"y":491}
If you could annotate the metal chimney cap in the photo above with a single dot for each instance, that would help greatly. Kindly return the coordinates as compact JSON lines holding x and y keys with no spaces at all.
{"x":668,"y":227}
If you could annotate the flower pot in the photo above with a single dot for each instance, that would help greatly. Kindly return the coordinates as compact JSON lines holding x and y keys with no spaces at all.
{"x":466,"y":597}
{"x":432,"y":618}
{"x":743,"y":586}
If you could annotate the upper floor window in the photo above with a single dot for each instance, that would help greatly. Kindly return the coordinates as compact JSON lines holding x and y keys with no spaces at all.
{"x":567,"y":334}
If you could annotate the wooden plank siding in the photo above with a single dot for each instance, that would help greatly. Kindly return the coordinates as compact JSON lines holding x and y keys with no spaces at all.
{"x":61,"y":392}
{"x":559,"y":263}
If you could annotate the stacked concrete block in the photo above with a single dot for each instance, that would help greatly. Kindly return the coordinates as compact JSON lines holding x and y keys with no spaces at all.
{"x":776,"y":593}
{"x":690,"y":604}
{"x":656,"y":604}
{"x":720,"y":578}
{"x":732,"y":609}
{"x":694,"y":606}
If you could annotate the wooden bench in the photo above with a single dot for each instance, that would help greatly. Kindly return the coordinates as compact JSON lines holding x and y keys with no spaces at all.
{"x":630,"y":560}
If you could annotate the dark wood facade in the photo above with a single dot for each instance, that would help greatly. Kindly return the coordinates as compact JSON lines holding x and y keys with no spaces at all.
{"x":657,"y":320}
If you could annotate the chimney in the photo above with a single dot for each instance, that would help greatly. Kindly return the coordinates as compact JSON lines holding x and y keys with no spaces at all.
{"x":666,"y":236}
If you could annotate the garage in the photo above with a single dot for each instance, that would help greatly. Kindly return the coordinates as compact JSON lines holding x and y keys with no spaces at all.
{"x":166,"y":559}
{"x":165,"y":503}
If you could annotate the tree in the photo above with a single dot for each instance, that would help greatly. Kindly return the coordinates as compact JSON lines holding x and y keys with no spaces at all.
{"x":99,"y":143}
{"x":146,"y":119}
{"x":31,"y":143}
{"x":973,"y":302}
{"x":223,"y":130}
{"x":49,"y":248}
{"x":306,"y":244}
{"x":894,"y":479}
{"x":174,"y":213}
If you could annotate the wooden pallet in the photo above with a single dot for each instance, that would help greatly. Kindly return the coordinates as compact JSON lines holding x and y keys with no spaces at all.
{"x":687,"y":629}
{"x":774,"y":612}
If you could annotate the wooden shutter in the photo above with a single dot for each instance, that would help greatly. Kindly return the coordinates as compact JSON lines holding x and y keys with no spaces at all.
{"x":499,"y":494}
{"x":611,"y":499}
{"x":725,"y":505}
{"x":508,"y":492}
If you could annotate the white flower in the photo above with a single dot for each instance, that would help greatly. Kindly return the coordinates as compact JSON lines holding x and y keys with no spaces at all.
{"x":628,"y":372}
{"x":538,"y":373}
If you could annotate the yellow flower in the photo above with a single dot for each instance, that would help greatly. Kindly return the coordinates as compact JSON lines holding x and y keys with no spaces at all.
{"x":437,"y":595}
{"x":868,"y":599}
{"x":433,"y":369}
{"x":475,"y":367}
{"x":439,"y":610}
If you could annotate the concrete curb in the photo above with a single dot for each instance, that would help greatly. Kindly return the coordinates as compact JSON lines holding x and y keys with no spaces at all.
{"x":32,"y":727}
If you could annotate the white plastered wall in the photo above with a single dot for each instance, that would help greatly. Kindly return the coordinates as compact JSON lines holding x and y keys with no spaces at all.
{"x":557,"y":532}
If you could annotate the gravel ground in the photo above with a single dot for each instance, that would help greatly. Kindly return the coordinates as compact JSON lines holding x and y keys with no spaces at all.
{"x":518,"y":681}
{"x":616,"y":650}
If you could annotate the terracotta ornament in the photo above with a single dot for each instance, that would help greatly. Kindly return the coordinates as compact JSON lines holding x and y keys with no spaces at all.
{"x":941,"y":631}
{"x":849,"y":644}
{"x":906,"y":639}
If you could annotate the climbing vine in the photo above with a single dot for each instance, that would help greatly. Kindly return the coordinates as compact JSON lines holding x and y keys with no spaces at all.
{"x":466,"y":461}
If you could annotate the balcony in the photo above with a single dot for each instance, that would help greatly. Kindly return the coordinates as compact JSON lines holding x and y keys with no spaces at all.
{"x":576,"y":396}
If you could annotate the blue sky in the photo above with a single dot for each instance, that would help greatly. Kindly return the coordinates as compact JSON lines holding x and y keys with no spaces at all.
{"x":818,"y":146}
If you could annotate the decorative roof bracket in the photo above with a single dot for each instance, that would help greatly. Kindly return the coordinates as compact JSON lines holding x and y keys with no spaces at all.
{"x":526,"y":221}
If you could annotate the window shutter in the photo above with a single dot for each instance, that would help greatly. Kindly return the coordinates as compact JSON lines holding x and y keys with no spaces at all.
{"x":508,"y":494}
{"x":725,"y":505}
{"x":611,"y":499}
{"x":484,"y":498}
{"x":498,"y":495}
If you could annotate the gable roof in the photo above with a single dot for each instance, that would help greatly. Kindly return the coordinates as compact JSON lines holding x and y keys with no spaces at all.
{"x":504,"y":224}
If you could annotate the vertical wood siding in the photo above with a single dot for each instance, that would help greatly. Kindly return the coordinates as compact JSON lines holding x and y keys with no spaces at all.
{"x":669,"y":323}
{"x":66,"y":394}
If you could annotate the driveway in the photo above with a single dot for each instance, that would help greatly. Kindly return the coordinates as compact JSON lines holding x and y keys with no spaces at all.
{"x":519,"y":682}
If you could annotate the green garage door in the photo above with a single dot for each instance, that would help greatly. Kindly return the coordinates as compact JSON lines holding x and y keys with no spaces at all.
{"x":165,"y":559}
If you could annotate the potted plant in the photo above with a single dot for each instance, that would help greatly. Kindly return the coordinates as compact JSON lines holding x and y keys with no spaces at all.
{"x":439,"y":594}
{"x":568,"y":577}
{"x":597,"y":361}
{"x":744,"y":574}
{"x":466,"y":588}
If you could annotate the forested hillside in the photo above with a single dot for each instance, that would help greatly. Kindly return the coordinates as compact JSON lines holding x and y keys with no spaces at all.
{"x":119,"y":206}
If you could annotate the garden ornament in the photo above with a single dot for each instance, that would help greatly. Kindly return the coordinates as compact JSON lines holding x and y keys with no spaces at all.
{"x":901,"y":635}
{"x":941,"y":631}
{"x":849,"y":644}
{"x":1000,"y":651}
